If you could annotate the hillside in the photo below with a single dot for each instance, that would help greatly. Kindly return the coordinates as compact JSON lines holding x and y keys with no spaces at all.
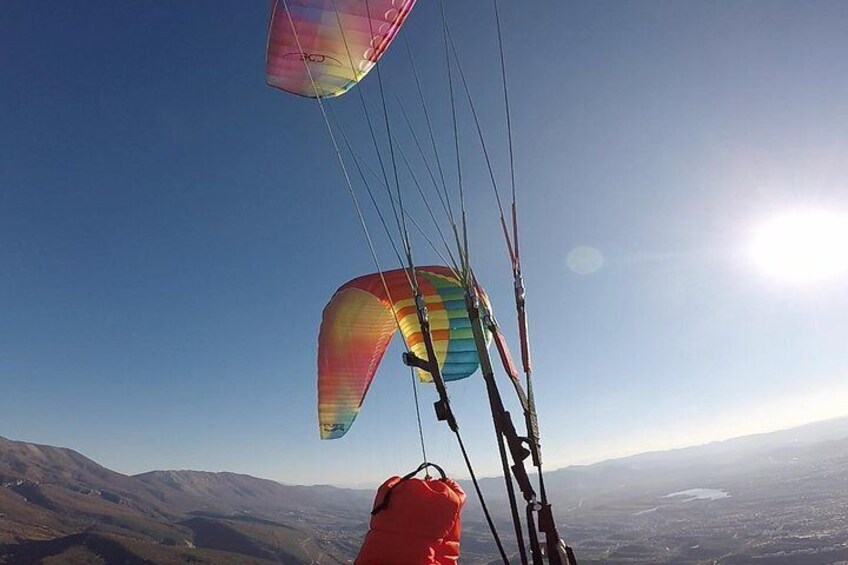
{"x":57,"y":504}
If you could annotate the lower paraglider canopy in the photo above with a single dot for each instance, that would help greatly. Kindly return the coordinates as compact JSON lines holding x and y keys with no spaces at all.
{"x":360,"y":321}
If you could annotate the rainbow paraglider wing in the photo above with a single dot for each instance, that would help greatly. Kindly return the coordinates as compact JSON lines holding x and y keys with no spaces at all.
{"x":321,"y":48}
{"x":359,"y":323}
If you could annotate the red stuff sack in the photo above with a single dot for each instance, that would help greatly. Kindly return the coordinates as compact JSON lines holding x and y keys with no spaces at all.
{"x":414,"y":522}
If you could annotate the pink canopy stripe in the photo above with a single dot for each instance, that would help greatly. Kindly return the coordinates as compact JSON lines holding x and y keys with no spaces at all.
{"x":338,"y":40}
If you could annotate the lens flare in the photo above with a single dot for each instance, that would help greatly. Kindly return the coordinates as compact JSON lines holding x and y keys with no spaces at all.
{"x":585,"y":260}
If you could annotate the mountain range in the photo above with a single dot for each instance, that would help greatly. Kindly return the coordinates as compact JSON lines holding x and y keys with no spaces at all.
{"x":779,"y":498}
{"x":57,"y":506}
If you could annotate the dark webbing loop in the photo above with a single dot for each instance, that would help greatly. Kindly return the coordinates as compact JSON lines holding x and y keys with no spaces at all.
{"x":425,"y":465}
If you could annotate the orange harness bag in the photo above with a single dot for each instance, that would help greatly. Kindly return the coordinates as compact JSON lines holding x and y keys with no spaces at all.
{"x":414,"y":522}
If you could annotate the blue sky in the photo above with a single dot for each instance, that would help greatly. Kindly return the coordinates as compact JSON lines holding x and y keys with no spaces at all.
{"x":171,"y":228}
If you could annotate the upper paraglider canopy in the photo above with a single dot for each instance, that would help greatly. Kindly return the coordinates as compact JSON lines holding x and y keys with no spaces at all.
{"x":321,"y":48}
{"x":359,"y":323}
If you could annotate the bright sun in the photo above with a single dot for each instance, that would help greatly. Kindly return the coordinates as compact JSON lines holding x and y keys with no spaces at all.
{"x":803,"y":246}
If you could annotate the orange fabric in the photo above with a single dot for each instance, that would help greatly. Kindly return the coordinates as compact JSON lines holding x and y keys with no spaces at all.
{"x":419,"y":526}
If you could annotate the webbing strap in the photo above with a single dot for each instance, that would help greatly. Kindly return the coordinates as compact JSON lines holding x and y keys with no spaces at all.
{"x":530,"y":417}
{"x":546,"y":522}
{"x":385,"y":502}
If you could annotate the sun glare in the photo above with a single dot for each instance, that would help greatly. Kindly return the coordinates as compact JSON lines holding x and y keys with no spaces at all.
{"x":802,"y":247}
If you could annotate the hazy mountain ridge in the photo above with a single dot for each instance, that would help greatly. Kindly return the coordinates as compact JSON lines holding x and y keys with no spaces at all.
{"x":784,"y":500}
{"x":711,"y":461}
{"x":779,"y":498}
{"x":787,"y":501}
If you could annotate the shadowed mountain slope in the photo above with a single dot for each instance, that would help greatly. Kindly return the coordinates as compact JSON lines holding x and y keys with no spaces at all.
{"x":58,"y":506}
